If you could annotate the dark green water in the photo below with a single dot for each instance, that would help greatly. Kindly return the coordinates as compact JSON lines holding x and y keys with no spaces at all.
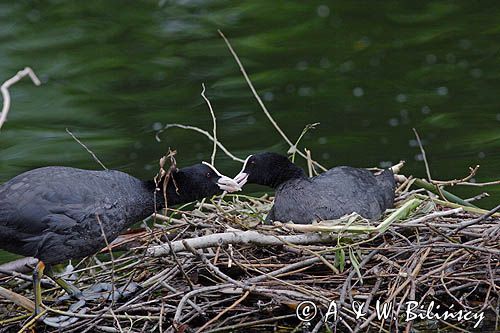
{"x":114,"y":72}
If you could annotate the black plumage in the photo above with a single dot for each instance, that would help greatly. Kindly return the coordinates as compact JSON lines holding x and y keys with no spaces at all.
{"x":52,"y":213}
{"x":59,"y":213}
{"x":339,"y":191}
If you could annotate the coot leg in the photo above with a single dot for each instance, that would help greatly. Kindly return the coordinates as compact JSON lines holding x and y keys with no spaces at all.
{"x":68,"y":287}
{"x":37,"y":276}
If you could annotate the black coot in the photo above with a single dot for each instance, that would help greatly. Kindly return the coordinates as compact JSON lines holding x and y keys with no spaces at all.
{"x":334,"y":193}
{"x":56,"y":213}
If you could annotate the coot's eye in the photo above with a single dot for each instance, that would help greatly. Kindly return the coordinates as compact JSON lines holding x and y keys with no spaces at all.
{"x":252,"y":161}
{"x":208,"y":175}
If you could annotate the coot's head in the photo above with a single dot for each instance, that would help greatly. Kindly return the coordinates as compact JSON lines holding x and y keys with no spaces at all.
{"x":269,"y":169}
{"x":202,"y":180}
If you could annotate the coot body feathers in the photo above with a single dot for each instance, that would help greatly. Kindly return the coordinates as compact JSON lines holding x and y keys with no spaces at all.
{"x":339,"y":191}
{"x":51,"y":213}
{"x":56,"y":213}
{"x":333,"y":194}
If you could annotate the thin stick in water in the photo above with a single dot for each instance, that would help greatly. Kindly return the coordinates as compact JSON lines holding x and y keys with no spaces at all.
{"x":86,"y":148}
{"x":202,"y":131}
{"x":259,"y":100}
{"x":427,"y":170}
{"x":214,"y":121}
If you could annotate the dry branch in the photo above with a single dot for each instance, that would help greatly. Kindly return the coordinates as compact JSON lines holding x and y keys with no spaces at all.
{"x":262,"y":105}
{"x":202,"y":131}
{"x":272,"y":270}
{"x":94,"y":156}
{"x":238,"y":238}
{"x":214,"y":123}
{"x":5,"y":90}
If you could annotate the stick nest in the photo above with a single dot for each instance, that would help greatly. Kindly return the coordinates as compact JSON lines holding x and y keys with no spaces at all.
{"x":218,"y":268}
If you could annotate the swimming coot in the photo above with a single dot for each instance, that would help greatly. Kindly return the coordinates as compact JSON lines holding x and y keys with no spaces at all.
{"x":56,"y":213}
{"x":334,"y":193}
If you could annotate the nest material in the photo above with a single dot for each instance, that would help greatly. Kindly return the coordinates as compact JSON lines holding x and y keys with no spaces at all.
{"x":217,"y":268}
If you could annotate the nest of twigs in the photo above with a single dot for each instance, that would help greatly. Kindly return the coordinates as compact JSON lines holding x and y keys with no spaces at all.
{"x":218,"y":268}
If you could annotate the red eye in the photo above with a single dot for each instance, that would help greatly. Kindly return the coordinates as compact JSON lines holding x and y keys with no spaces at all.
{"x":208,"y":175}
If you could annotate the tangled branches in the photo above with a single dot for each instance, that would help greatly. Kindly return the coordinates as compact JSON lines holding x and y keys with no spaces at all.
{"x":426,"y":256}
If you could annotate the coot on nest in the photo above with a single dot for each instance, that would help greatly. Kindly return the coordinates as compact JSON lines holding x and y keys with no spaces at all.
{"x":334,"y":193}
{"x":56,"y":213}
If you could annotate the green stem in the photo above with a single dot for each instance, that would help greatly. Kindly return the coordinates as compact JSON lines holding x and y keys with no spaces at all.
{"x":449,"y":196}
{"x":401,"y":213}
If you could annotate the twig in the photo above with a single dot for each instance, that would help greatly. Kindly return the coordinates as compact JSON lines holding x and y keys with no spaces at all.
{"x":397,"y":167}
{"x":293,"y":149}
{"x":438,"y":183}
{"x":422,"y":183}
{"x":240,"y":237}
{"x":495,"y":182}
{"x":45,"y":282}
{"x":259,"y":100}
{"x":163,"y":176}
{"x":434,"y":215}
{"x":477,"y":197}
{"x":345,"y":285}
{"x":237,"y":327}
{"x":422,"y":150}
{"x":32,"y":321}
{"x":199,"y":130}
{"x":472,"y":173}
{"x":220,"y":314}
{"x":468,"y":207}
{"x":186,"y":297}
{"x":257,"y":97}
{"x":94,"y":316}
{"x":438,"y":188}
{"x":86,"y":148}
{"x":160,"y":321}
{"x":477,"y":220}
{"x":214,"y":121}
{"x":212,"y":267}
{"x":27,"y":71}
{"x":17,"y":299}
{"x":113,"y":287}
{"x":309,"y":163}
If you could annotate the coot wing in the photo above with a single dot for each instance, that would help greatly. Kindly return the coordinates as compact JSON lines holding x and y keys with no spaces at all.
{"x":296,"y":201}
{"x":353,"y":190}
{"x":43,"y":209}
{"x":334,"y":193}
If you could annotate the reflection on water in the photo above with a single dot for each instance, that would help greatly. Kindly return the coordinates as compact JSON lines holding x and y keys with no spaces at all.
{"x":116,"y":72}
